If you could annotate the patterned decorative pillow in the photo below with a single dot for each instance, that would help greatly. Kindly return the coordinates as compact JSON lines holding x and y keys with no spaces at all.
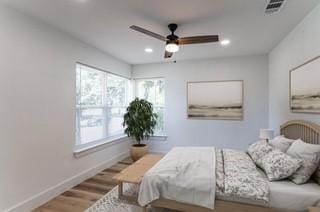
{"x":278,"y":165}
{"x":310,"y":156}
{"x":282,"y":143}
{"x":258,"y":150}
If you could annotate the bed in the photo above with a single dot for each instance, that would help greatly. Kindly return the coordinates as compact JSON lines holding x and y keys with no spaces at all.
{"x":283,"y":195}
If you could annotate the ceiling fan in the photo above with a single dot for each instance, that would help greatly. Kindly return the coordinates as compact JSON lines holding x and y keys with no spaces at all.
{"x":173,"y":41}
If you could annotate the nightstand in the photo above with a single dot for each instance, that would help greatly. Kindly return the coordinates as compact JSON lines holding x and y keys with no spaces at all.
{"x":314,"y":209}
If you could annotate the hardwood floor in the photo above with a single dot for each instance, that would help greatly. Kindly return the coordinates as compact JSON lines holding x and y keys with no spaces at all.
{"x":86,"y":193}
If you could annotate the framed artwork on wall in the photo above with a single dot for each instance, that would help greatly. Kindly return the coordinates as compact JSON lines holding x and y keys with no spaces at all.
{"x":305,"y":87}
{"x":221,"y":100}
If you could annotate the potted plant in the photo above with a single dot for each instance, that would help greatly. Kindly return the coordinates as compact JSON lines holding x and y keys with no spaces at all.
{"x":139,"y":122}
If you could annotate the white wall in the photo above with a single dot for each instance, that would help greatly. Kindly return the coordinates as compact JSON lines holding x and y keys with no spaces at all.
{"x":232,"y":134}
{"x":37,"y":92}
{"x":37,"y":110}
{"x":301,"y":45}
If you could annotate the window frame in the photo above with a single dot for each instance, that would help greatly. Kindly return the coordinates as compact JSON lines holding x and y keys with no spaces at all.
{"x":78,"y":145}
{"x":158,"y":135}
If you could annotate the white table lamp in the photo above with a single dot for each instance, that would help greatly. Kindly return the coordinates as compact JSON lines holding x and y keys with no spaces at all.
{"x":266,"y":134}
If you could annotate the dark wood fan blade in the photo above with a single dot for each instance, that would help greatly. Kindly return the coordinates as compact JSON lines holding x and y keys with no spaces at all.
{"x":198,"y":39}
{"x":168,"y":54}
{"x":147,"y":32}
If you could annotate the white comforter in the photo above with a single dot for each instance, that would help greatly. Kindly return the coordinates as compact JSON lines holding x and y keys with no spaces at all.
{"x":185,"y":174}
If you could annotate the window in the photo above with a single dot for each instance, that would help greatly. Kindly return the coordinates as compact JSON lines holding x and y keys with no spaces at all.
{"x":153,"y":91}
{"x":102,"y":99}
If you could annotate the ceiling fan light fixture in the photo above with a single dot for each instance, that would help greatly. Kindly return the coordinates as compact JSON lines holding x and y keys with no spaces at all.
{"x":173,"y":41}
{"x":172,"y":47}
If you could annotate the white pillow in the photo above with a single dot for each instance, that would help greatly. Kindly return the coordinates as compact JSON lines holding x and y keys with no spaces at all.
{"x":310,"y":156}
{"x":282,"y":143}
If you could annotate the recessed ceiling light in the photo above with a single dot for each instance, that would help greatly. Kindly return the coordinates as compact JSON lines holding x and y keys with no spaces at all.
{"x":148,"y":50}
{"x":225,"y":42}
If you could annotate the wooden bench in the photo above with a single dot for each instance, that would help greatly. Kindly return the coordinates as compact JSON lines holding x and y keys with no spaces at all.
{"x":314,"y":209}
{"x":134,"y":173}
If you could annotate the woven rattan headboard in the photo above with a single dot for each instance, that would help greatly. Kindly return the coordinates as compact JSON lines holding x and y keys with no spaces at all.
{"x":309,"y":132}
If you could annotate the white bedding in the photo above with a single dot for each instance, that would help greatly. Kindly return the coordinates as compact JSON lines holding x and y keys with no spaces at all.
{"x":185,"y":174}
{"x":284,"y":195}
{"x":287,"y":195}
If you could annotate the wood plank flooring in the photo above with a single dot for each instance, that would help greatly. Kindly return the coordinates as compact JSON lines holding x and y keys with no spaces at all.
{"x":86,"y":193}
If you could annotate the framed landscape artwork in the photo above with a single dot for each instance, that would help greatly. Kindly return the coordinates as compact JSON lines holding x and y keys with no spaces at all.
{"x":305,"y":87}
{"x":215,"y":100}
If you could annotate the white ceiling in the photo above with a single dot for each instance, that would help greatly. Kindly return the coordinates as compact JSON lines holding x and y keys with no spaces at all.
{"x":105,"y":24}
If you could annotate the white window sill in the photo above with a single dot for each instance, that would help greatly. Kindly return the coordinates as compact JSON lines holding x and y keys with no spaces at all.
{"x":160,"y":137}
{"x":77,"y":153}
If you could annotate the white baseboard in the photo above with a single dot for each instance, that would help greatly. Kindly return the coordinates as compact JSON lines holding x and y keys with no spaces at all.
{"x":48,"y":194}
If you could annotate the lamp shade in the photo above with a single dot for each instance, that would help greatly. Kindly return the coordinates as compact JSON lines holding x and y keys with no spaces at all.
{"x":266,"y":134}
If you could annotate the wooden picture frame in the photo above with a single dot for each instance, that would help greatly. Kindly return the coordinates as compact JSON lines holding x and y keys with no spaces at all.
{"x":304,"y":87}
{"x":215,"y":100}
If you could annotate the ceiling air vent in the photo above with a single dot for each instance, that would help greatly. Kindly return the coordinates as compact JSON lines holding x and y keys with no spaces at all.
{"x":274,"y":6}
